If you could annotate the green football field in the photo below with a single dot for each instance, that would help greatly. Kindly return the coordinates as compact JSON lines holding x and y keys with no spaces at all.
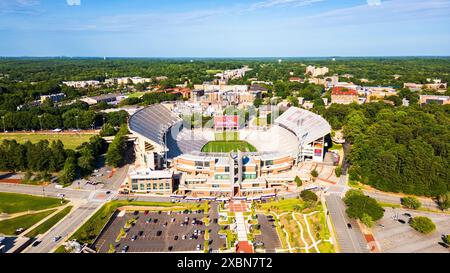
{"x":227,"y":146}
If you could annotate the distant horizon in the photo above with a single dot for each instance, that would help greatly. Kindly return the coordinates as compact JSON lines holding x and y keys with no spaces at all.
{"x":223,"y":57}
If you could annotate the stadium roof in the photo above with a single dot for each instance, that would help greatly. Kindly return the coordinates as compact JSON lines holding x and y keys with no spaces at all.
{"x":152,"y":122}
{"x":306,"y":125}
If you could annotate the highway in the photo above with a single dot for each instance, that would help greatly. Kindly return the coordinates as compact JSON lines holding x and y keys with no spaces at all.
{"x":65,"y":228}
{"x":350,"y":240}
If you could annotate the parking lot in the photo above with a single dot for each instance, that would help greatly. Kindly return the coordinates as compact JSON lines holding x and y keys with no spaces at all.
{"x":269,"y":236}
{"x":397,"y":237}
{"x":162,"y":232}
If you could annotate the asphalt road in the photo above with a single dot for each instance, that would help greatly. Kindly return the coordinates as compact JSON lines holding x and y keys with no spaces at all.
{"x":48,"y":191}
{"x":64,"y":228}
{"x":350,"y":240}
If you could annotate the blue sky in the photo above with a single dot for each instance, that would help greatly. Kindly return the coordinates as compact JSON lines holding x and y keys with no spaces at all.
{"x":224,"y":28}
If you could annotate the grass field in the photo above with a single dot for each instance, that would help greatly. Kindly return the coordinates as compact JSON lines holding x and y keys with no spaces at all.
{"x":71,"y":141}
{"x":213,"y":71}
{"x":136,"y":95}
{"x":13,"y":202}
{"x":227,"y":146}
{"x":226,"y":136}
{"x":9,"y":226}
{"x":42,"y":228}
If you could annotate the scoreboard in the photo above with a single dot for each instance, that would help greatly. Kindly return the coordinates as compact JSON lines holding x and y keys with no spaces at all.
{"x":226,"y":122}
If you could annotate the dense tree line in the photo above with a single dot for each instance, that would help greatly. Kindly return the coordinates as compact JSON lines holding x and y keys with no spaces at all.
{"x":46,"y":117}
{"x":47,"y":157}
{"x":398,"y":149}
{"x":115,"y":156}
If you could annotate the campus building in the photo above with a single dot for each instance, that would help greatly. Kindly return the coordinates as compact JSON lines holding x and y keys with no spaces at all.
{"x":341,"y":95}
{"x":426,"y":99}
{"x":234,"y":174}
{"x":149,"y":181}
{"x":315,"y":72}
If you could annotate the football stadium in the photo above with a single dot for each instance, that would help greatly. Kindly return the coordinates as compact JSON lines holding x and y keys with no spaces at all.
{"x":230,"y":159}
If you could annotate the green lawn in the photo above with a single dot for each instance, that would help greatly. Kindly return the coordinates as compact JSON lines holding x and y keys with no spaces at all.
{"x":227,"y":146}
{"x":136,"y":95}
{"x":226,"y":136}
{"x":13,"y":202}
{"x":9,"y":226}
{"x":42,"y":228}
{"x":213,"y":71}
{"x":70,"y":141}
{"x":286,"y":205}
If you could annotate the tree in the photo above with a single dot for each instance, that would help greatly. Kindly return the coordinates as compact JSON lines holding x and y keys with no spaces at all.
{"x":358,"y":205}
{"x":58,"y":156}
{"x":298,"y":181}
{"x":308,"y":195}
{"x":257,"y":102}
{"x":314,"y":173}
{"x":69,"y":171}
{"x":338,"y":171}
{"x":367,"y":220}
{"x":446,"y":239}
{"x":443,"y":201}
{"x":86,"y":161}
{"x":355,"y":126}
{"x":422,"y":224}
{"x":116,"y":150}
{"x":411,"y":202}
{"x":107,"y":130}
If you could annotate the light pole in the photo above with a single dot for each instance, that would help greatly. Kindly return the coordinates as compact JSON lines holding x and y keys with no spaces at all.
{"x":40,"y":121}
{"x":76,"y":117}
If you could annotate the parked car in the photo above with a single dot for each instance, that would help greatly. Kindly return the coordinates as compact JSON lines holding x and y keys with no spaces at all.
{"x":407,"y":215}
{"x":349,"y":226}
{"x":140,"y":233}
{"x":184,"y":237}
{"x":149,"y":220}
{"x":158,"y":233}
{"x":401,"y":221}
{"x":36,"y":243}
{"x":199,"y":246}
{"x":146,"y":212}
{"x":125,"y":248}
{"x":19,"y":230}
{"x":134,"y":238}
{"x":56,"y":239}
{"x":175,"y":238}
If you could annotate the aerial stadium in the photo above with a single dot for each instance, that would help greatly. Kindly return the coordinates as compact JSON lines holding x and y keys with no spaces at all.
{"x":228,"y":159}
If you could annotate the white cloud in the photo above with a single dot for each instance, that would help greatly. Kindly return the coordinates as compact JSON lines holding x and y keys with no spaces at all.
{"x":73,"y":2}
{"x":275,"y":3}
{"x":19,"y":6}
{"x":374,"y":2}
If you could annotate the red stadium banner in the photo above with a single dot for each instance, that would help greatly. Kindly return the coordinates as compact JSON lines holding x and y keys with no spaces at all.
{"x":226,"y":122}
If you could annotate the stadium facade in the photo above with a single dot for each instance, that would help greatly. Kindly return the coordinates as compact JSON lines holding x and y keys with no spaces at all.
{"x":222,"y":175}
